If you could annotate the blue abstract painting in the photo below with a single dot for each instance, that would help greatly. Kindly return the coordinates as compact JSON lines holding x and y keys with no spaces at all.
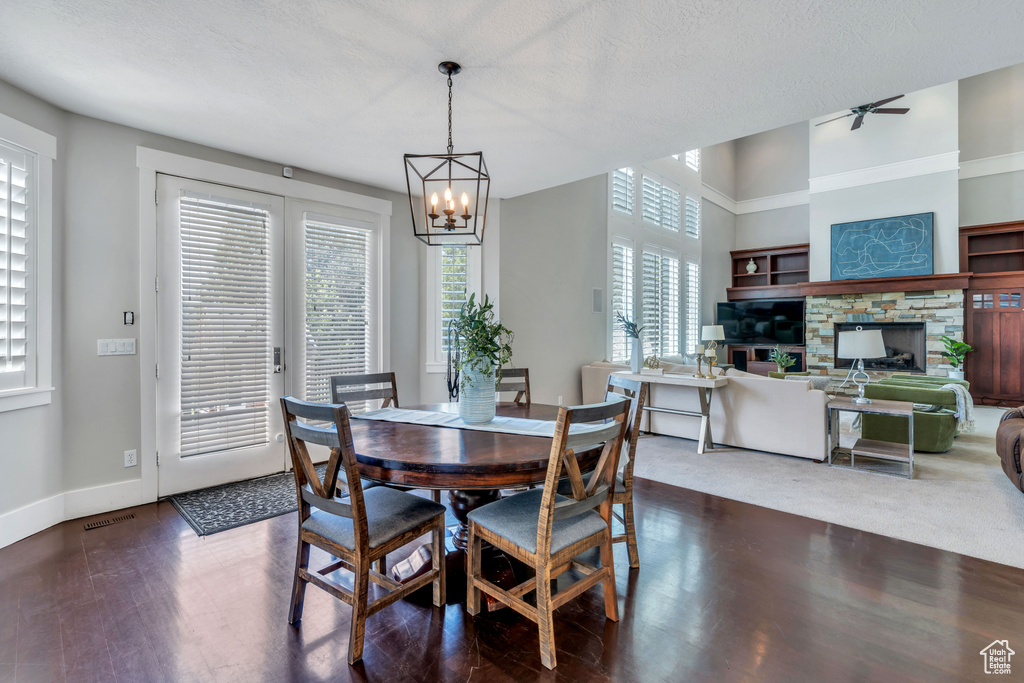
{"x":884,"y":247}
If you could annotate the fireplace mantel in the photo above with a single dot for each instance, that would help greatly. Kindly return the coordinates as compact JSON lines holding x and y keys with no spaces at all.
{"x":877,"y":285}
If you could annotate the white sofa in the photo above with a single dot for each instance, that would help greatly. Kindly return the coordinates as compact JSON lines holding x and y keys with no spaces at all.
{"x":751,"y":411}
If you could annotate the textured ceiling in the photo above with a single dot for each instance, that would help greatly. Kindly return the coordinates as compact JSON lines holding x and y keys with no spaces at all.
{"x":551,"y":91}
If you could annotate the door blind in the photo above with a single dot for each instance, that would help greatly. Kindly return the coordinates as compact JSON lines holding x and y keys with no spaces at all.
{"x":622,"y":190}
{"x":16,"y":190}
{"x":454,"y":285}
{"x":339,"y":314}
{"x":622,"y":298}
{"x":692,"y":306}
{"x":660,"y":294}
{"x":225,"y":324}
{"x":660,"y":204}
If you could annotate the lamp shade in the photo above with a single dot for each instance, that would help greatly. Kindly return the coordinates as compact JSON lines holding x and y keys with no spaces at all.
{"x":712,"y":333}
{"x":861,"y":344}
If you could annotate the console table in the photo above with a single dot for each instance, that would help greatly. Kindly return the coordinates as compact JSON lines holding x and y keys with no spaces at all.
{"x":703,"y":386}
{"x":879,"y":450}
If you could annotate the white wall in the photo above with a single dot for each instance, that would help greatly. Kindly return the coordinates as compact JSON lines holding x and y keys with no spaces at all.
{"x":719,"y":237}
{"x":773,"y":228}
{"x":771,"y":163}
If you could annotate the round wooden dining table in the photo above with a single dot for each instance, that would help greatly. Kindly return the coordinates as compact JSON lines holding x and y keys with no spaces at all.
{"x":472,"y":465}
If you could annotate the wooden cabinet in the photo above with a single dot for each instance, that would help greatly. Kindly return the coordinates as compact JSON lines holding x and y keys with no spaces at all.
{"x":779,"y":269}
{"x":754,"y":358}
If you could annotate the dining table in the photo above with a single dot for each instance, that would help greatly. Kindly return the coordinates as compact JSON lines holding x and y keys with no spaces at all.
{"x":473,"y":466}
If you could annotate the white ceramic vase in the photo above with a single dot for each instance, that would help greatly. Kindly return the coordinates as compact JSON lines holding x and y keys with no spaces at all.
{"x":636,"y":356}
{"x":956,"y":374}
{"x":476,"y":394}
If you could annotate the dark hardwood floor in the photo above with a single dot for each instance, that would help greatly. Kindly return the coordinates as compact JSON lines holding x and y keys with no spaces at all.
{"x":727,"y":592}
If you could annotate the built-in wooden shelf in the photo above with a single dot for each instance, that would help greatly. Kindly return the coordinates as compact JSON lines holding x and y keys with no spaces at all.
{"x":913,"y":283}
{"x":997,"y":248}
{"x":777,"y":269}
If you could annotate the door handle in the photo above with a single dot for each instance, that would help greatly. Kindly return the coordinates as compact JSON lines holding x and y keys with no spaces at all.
{"x":278,"y":367}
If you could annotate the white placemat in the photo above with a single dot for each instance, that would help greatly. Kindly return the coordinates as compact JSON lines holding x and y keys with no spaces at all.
{"x":505,"y":425}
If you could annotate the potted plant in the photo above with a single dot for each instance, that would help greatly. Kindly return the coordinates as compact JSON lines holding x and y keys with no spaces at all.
{"x":954,"y":353}
{"x":781,"y":358}
{"x":632,"y":330}
{"x":481,"y":345}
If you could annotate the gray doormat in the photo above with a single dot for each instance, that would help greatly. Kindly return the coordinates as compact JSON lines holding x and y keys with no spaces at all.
{"x":228,"y":506}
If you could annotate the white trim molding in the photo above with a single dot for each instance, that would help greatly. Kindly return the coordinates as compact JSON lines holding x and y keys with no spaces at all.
{"x":715,"y":197}
{"x":772,"y":202}
{"x":1002,"y":163}
{"x":35,"y":517}
{"x":937,"y":163}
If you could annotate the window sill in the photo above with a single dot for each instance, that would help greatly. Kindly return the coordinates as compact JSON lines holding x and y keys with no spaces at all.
{"x":18,"y":399}
{"x":436,"y":368}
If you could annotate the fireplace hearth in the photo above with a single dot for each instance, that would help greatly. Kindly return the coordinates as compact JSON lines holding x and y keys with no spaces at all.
{"x":905,"y":347}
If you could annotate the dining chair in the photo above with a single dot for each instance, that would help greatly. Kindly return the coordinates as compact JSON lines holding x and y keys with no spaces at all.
{"x":622,"y":494}
{"x":359,"y":529}
{"x":342,"y":390}
{"x":517,"y":380}
{"x":546,"y":530}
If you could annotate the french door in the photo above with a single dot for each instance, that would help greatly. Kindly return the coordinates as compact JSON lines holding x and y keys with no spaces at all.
{"x":220,"y":306}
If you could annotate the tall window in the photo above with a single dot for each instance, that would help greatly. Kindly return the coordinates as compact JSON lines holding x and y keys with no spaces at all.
{"x":339,"y":296}
{"x":660,"y":204}
{"x":17,"y":196}
{"x":660,"y":301}
{"x":692,"y":306}
{"x":453,"y":272}
{"x":692,"y":217}
{"x":454,"y":285}
{"x":693,"y":159}
{"x":622,"y":190}
{"x":622,"y":296}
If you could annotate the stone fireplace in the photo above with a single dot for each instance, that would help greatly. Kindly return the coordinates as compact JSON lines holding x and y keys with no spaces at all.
{"x":938,"y":312}
{"x":905,"y":345}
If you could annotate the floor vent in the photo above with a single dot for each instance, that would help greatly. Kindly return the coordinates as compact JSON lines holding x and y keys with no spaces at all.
{"x":108,"y":521}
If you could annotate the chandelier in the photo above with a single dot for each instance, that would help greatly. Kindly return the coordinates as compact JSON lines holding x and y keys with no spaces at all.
{"x":455,"y":188}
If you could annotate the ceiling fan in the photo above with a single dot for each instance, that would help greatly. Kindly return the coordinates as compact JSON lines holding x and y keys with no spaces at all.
{"x":873,"y":108}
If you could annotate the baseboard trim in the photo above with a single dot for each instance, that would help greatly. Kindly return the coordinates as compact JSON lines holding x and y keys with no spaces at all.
{"x":35,"y":517}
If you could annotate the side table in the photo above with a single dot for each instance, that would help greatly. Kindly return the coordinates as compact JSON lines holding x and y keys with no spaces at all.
{"x":888,"y":451}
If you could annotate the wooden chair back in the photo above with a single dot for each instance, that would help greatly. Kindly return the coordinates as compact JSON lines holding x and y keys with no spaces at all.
{"x":311,"y":489}
{"x":636,"y":392}
{"x":596,"y":491}
{"x":383,"y":383}
{"x":517,"y":380}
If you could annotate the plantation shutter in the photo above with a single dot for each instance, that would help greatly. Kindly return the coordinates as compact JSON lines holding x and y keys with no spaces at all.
{"x":669,"y":302}
{"x":454,"y":285}
{"x":17,"y":190}
{"x":693,"y":159}
{"x":225,"y":323}
{"x":660,"y":204}
{"x":692,"y":306}
{"x":339,"y":310}
{"x":622,"y":190}
{"x":622,"y":298}
{"x":692,"y":217}
{"x":660,"y":293}
{"x":651,"y":301}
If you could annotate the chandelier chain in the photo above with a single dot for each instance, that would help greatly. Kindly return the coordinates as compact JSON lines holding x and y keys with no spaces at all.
{"x":450,"y":146}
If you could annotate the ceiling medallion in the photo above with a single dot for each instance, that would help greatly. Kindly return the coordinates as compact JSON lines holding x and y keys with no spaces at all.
{"x":454,"y":179}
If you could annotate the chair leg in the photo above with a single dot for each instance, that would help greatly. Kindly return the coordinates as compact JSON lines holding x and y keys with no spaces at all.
{"x":438,"y":560}
{"x":627,"y":516}
{"x":359,"y":594}
{"x":475,"y":547}
{"x":545,"y":617}
{"x":611,"y":599}
{"x":299,"y":585}
{"x":382,"y":565}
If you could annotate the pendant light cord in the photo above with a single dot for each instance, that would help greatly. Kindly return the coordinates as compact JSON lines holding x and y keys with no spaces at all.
{"x":450,"y":146}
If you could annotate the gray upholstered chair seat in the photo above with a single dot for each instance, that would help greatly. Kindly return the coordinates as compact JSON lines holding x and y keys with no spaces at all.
{"x":515,"y":518}
{"x":389,"y":513}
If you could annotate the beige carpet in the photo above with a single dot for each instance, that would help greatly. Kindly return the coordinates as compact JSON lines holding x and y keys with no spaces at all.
{"x":959,"y":500}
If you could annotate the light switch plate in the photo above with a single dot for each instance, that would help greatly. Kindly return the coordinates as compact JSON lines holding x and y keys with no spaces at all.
{"x":115,"y":347}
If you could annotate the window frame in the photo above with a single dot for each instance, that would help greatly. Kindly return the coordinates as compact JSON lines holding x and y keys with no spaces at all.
{"x":435,"y":355}
{"x":36,"y":389}
{"x":625,"y":243}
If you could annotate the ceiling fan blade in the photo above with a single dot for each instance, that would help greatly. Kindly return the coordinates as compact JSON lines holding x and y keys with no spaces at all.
{"x":891,"y":110}
{"x":885,"y":101}
{"x":835,"y":119}
{"x":857,"y":122}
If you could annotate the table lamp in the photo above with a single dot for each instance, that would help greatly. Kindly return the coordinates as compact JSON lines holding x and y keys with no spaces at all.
{"x":857,"y":345}
{"x":712,"y":334}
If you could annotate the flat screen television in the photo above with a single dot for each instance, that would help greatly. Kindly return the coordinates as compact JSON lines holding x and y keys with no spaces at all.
{"x":766,"y":321}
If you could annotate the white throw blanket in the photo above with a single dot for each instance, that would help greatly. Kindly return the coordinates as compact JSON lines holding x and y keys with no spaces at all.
{"x":964,"y":408}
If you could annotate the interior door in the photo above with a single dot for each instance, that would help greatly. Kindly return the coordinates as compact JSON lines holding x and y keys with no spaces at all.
{"x":220,"y":308}
{"x":995,"y":323}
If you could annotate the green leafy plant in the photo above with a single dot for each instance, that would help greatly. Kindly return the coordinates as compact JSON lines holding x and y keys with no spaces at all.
{"x":484,"y":344}
{"x":955,"y":351}
{"x":781,"y":358}
{"x":628,"y":326}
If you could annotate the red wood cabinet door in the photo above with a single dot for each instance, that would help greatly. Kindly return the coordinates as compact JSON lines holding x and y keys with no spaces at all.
{"x":995,"y":324}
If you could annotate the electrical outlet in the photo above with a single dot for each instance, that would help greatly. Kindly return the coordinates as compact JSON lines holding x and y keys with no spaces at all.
{"x":131,"y":458}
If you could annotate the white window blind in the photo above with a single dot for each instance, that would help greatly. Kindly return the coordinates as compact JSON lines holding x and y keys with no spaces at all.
{"x":622,"y":297}
{"x":225,"y":324}
{"x":660,"y":204}
{"x":692,"y":306}
{"x":660,"y":300}
{"x":622,"y":190}
{"x":17,"y":187}
{"x":693,"y":159}
{"x":339,"y":305}
{"x":692,"y":217}
{"x":454,"y":285}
